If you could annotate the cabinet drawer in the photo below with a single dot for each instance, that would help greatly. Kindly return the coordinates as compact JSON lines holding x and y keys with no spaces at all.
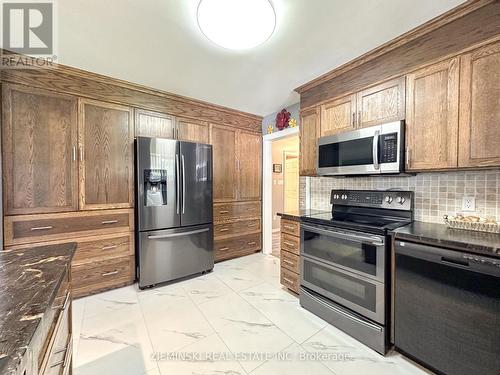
{"x":290,"y":280}
{"x":236,"y":228}
{"x":290,"y":243}
{"x":46,"y":227}
{"x":290,"y":227}
{"x":240,"y":210}
{"x":237,"y":246}
{"x":105,"y":247}
{"x":98,"y":276}
{"x":290,"y":261}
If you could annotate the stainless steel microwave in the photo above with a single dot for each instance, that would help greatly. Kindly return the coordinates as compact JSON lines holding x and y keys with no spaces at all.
{"x":368,"y":151}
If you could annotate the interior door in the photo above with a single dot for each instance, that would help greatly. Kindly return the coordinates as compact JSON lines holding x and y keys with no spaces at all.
{"x":39,"y":147}
{"x":224,"y":163}
{"x":158,"y":183}
{"x":154,"y":124}
{"x":249,"y":166}
{"x":192,"y":130}
{"x":432,"y":117}
{"x":197,"y":179}
{"x":106,"y":155}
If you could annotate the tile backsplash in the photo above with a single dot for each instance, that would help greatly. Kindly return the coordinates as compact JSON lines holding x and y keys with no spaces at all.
{"x":436,"y":194}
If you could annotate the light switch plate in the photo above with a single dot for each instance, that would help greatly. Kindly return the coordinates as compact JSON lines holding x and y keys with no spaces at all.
{"x":469,"y":204}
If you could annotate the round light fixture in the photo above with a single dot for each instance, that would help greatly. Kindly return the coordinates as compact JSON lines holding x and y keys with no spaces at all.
{"x":236,"y":24}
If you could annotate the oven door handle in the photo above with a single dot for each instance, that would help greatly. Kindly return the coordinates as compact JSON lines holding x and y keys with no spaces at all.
{"x":376,"y":241}
{"x":376,"y":137}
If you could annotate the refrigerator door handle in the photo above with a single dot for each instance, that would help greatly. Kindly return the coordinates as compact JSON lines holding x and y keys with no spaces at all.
{"x":183,"y":185}
{"x":178,"y":234}
{"x":177,"y":178}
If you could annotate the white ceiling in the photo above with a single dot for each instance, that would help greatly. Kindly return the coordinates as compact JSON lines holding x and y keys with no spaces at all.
{"x":157,"y":43}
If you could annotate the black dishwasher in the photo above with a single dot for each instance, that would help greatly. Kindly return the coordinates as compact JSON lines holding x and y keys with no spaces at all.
{"x":447,"y":309}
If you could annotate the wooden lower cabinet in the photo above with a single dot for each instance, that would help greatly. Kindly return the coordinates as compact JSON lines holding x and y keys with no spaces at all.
{"x":290,"y":255}
{"x":237,"y":229}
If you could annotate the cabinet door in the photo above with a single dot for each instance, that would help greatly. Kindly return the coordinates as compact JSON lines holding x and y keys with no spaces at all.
{"x":249,"y":166}
{"x":106,"y":155}
{"x":309,"y":132}
{"x":39,"y":151}
{"x":154,"y":124}
{"x":192,"y":130}
{"x":480,"y":108}
{"x":432,"y":116}
{"x":382,"y":103}
{"x":224,"y":162}
{"x":338,"y":115}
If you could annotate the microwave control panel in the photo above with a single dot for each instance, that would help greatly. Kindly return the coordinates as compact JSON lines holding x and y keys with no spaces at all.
{"x":389,"y":148}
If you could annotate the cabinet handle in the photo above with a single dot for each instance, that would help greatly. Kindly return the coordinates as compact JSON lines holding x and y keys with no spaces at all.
{"x":69,"y":352}
{"x":288,"y":227}
{"x":58,"y":351}
{"x":224,"y":230}
{"x":289,"y":243}
{"x":57,"y":363}
{"x":82,"y":154}
{"x":251,"y":243}
{"x":110,"y":273}
{"x":109,"y":247}
{"x":73,"y":150}
{"x":224,"y":249}
{"x":288,"y":281}
{"x":107,"y":222}
{"x":42,"y":228}
{"x":359,"y":118}
{"x":353,"y":119}
{"x":407,"y":156}
{"x":224,"y":212}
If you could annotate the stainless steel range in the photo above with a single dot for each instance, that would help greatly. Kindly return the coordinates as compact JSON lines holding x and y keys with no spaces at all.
{"x":345,"y":270}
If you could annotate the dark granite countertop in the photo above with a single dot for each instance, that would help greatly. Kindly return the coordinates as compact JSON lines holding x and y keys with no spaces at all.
{"x":29,"y":281}
{"x":296,"y":215}
{"x":481,"y":243}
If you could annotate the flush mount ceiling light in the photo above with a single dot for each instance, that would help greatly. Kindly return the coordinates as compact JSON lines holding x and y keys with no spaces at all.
{"x":236,"y":24}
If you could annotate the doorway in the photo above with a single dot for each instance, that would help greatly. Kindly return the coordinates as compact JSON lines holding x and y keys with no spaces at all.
{"x":280,"y":184}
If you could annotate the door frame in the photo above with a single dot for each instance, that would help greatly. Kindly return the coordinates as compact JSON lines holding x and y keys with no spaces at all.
{"x":267,"y":185}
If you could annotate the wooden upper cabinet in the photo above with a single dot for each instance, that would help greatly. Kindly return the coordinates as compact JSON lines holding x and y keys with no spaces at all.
{"x":479,"y":141}
{"x":432,"y":116}
{"x":106,"y":155}
{"x":381,"y":104}
{"x":192,"y":130}
{"x":309,"y":132}
{"x":249,"y":166}
{"x":39,"y":147}
{"x":224,"y":163}
{"x":154,"y":124}
{"x":338,"y":115}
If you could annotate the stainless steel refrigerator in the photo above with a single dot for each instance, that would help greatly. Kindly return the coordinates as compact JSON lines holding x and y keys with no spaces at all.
{"x":174,"y":232}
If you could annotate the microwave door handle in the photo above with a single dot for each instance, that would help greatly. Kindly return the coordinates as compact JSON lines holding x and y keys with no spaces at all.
{"x":376,"y":138}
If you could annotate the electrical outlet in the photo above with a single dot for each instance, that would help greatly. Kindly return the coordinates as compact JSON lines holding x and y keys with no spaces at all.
{"x":469,"y":204}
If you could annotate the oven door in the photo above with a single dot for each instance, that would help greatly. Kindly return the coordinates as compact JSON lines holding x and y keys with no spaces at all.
{"x":362,"y":295}
{"x":360,"y":253}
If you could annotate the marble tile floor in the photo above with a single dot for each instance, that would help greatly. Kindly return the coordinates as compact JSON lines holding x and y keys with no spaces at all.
{"x":235,"y":320}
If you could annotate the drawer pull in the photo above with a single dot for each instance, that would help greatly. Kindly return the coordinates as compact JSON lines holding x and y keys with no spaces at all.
{"x":42,"y":228}
{"x":65,"y":304}
{"x":110,"y":273}
{"x":109,"y":247}
{"x":107,"y":222}
{"x":289,"y":227}
{"x":58,"y":351}
{"x":289,"y":243}
{"x":252,"y":243}
{"x":57,"y":364}
{"x":288,"y":281}
{"x":223,"y":212}
{"x":224,"y":249}
{"x":288,"y":262}
{"x":223,"y":230}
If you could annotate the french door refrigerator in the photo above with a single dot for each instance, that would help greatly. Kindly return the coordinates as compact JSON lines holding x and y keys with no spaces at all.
{"x":174,"y":232}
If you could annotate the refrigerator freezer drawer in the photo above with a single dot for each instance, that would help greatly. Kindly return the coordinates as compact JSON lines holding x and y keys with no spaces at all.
{"x":170,"y":254}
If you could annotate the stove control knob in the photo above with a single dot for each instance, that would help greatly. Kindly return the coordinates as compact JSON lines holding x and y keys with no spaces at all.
{"x":388,"y":199}
{"x":401,"y":200}
{"x":344,"y":196}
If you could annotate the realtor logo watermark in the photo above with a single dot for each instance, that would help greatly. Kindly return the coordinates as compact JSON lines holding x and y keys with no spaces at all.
{"x":28,"y":34}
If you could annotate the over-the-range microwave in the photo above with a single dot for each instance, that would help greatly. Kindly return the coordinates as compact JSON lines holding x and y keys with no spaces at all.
{"x":368,"y":151}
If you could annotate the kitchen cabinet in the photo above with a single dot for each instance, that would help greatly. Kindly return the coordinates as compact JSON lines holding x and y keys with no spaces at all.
{"x":309,"y":132}
{"x":192,"y":130}
{"x":39,"y":151}
{"x":249,"y":166}
{"x":479,"y":129}
{"x":106,"y":155}
{"x":224,"y":163}
{"x":154,"y":124}
{"x":290,"y":255}
{"x":381,"y":103}
{"x":339,"y":115}
{"x":432,"y":116}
